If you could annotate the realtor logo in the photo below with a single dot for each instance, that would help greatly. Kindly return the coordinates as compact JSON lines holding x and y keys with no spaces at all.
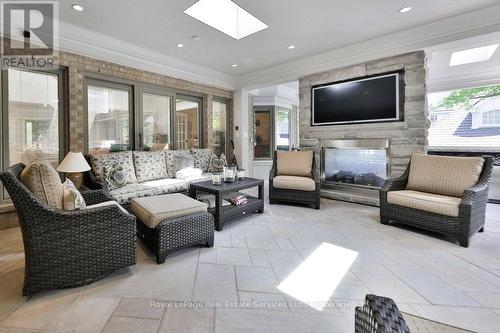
{"x":29,"y":30}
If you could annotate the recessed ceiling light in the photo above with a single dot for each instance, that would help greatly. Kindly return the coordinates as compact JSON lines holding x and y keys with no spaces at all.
{"x":196,"y":37}
{"x":291,"y":47}
{"x":77,"y":7}
{"x":234,"y":65}
{"x":471,"y":56}
{"x":227,"y":17}
{"x":180,"y":45}
{"x":404,"y":10}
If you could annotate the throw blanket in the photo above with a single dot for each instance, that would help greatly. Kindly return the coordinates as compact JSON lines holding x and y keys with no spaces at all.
{"x":189,"y":173}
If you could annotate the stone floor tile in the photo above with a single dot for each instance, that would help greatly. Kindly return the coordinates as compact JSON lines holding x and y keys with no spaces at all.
{"x":258,"y":279}
{"x":215,"y":283}
{"x":178,"y":320}
{"x":139,"y":308}
{"x":118,"y":324}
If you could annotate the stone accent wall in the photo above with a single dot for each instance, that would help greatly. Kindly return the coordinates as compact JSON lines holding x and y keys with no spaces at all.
{"x":79,"y":66}
{"x":405,"y":137}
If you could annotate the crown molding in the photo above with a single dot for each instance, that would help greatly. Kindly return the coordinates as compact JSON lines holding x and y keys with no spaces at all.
{"x":89,"y":43}
{"x":466,"y":25}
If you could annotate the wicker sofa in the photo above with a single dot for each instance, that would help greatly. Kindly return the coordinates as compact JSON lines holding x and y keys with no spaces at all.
{"x":70,"y":248}
{"x":294,"y":179}
{"x":443,"y":194}
{"x":147,"y":173}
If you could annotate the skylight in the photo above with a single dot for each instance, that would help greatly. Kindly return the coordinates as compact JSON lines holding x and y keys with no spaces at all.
{"x":227,"y":17}
{"x":471,"y":56}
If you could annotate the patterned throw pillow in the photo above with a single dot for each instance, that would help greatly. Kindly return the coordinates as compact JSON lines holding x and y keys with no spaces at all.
{"x":184,"y":162}
{"x":149,"y":165}
{"x":72,"y":198}
{"x":125,"y":160}
{"x":217,"y":163}
{"x":202,"y":158}
{"x":114,"y":175}
{"x":171,"y":157}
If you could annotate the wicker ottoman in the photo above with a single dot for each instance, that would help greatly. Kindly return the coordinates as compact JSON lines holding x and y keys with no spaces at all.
{"x":173,"y":221}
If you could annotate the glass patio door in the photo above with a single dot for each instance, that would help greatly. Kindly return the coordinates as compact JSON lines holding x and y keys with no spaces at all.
{"x":156,"y":121}
{"x":187,"y":122}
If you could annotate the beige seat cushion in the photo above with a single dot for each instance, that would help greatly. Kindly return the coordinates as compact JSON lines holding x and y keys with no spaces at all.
{"x":294,"y":183}
{"x":294,"y":163}
{"x":445,"y":175}
{"x":429,"y":202}
{"x":43,"y":181}
{"x":153,"y":210}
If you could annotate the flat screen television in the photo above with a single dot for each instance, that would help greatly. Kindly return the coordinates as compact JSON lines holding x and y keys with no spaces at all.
{"x":372,"y":99}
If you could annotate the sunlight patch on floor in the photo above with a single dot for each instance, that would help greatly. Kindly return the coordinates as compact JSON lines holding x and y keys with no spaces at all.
{"x":316,"y":279}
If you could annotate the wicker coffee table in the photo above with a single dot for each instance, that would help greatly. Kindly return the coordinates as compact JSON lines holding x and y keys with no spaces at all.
{"x":224,"y":214}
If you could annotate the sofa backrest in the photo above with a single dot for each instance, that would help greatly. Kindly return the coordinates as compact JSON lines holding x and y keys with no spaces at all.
{"x":294,"y":163}
{"x":445,"y":175}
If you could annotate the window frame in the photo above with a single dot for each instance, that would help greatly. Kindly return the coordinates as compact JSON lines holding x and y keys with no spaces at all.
{"x":63,"y":118}
{"x":101,"y":82}
{"x":201,"y":112}
{"x":153,"y":90}
{"x":227,"y":124}
{"x":136,"y":110}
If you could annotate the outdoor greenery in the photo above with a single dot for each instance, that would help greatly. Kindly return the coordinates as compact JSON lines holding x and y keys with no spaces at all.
{"x":467,"y":98}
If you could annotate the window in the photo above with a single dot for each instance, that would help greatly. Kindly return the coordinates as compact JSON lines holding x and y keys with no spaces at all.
{"x":156,"y":113}
{"x":263,"y":146}
{"x":465,"y":119}
{"x":219,"y":122}
{"x":282,"y":128}
{"x":491,"y":117}
{"x":33,"y":118}
{"x":108,"y":116}
{"x":188,"y":122}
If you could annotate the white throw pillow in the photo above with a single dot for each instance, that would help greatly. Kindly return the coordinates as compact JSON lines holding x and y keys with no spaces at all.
{"x":72,"y":198}
{"x":189,"y":173}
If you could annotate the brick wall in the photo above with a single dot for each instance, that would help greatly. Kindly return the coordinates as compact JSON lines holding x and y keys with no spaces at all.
{"x":405,"y":137}
{"x":79,"y":66}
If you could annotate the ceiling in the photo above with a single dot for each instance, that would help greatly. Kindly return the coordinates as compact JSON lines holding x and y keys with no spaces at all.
{"x":313,"y":27}
{"x":442,"y":77}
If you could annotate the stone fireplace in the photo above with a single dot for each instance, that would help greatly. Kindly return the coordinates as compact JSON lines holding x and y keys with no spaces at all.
{"x":360,"y":163}
{"x":354,"y":174}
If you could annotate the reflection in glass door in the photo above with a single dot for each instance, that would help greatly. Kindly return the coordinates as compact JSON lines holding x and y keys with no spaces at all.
{"x":33,"y":117}
{"x":156,"y":121}
{"x":187,"y":123}
{"x":263,"y":138}
{"x":219,"y":120}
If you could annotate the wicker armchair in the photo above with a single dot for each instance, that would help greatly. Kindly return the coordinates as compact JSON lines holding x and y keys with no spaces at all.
{"x":471,"y":212}
{"x":294,"y":196}
{"x":69,"y":248}
{"x":379,"y":315}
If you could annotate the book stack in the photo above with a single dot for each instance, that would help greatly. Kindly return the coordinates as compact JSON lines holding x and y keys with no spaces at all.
{"x":239,"y":200}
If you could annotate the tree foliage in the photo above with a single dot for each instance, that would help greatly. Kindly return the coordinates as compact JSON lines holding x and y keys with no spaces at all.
{"x":466,"y":98}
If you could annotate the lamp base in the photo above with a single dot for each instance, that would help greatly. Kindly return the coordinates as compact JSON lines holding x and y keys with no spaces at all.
{"x":76,"y":178}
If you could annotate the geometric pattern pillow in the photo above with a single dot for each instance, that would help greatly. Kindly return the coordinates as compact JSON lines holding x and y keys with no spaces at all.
{"x":123,"y":158}
{"x":114,"y":175}
{"x":149,"y":165}
{"x":202,"y":158}
{"x":72,"y":198}
{"x":217,"y":164}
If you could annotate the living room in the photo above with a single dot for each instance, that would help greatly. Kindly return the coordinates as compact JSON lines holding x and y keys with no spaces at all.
{"x":220,"y":166}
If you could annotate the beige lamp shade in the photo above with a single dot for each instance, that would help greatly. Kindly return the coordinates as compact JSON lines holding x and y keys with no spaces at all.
{"x":74,"y":162}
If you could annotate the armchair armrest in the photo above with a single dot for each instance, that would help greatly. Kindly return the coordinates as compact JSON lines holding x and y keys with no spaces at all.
{"x":96,"y":196}
{"x":398,"y":183}
{"x":475,"y":193}
{"x":273,"y":171}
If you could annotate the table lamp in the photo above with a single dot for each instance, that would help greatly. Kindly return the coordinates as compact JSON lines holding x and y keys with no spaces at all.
{"x":73,"y":165}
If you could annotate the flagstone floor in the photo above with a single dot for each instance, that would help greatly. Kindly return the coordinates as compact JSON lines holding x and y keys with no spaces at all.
{"x":273,"y":273}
